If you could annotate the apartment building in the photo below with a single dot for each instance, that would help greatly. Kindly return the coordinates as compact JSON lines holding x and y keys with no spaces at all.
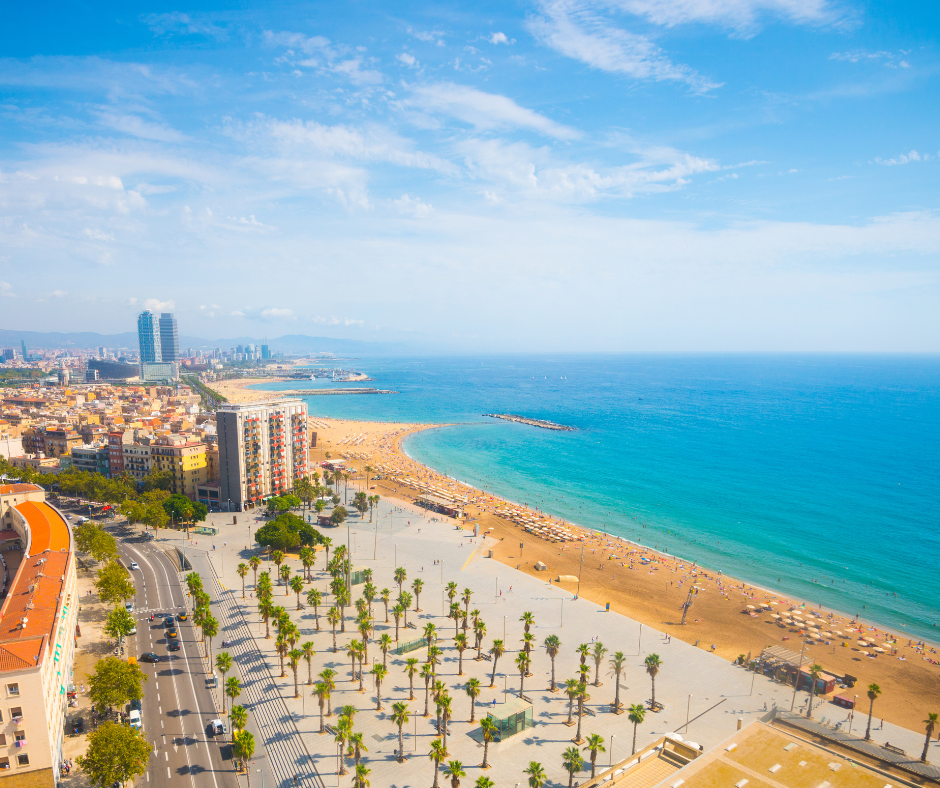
{"x":263,"y":449}
{"x":136,"y":459}
{"x":184,"y":459}
{"x":59,"y":443}
{"x":90,"y":459}
{"x":37,"y":636}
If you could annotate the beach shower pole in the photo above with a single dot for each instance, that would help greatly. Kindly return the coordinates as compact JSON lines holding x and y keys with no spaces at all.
{"x":579,"y":569}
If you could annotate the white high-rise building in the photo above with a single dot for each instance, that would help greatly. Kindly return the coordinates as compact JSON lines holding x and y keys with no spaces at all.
{"x":263,"y":449}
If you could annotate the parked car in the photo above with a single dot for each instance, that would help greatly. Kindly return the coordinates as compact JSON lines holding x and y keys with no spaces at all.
{"x":216,"y":728}
{"x":135,"y":705}
{"x":135,"y":721}
{"x":129,"y":607}
{"x":78,"y":726}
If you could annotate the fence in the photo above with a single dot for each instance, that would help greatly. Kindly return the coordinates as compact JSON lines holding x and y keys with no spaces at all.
{"x":411,"y":645}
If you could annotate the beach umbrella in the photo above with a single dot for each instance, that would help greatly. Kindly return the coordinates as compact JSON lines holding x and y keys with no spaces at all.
{"x":751,"y":607}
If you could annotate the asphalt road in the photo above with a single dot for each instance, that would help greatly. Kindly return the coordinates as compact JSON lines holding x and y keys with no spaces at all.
{"x":177,"y":704}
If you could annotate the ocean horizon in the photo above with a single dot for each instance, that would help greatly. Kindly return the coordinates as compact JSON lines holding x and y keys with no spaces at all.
{"x":812,"y":475}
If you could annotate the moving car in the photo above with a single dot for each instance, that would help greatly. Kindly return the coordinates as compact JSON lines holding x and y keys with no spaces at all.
{"x":129,"y":607}
{"x":149,"y":657}
{"x":216,"y":728}
{"x":171,"y":632}
{"x":181,"y":616}
{"x":168,"y":621}
{"x":173,"y":645}
{"x":134,"y":565}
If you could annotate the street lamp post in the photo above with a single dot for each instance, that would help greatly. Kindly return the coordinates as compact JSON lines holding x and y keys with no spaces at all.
{"x":610,"y":752}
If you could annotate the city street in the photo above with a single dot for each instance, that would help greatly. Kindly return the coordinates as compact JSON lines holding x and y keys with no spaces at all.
{"x":177,"y":704}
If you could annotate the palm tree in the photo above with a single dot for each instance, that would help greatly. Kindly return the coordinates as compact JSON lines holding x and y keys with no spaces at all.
{"x":282,"y":647}
{"x":528,"y":619}
{"x":223,"y":662}
{"x":362,"y":772}
{"x":405,"y":601}
{"x":461,"y":644}
{"x":815,"y":671}
{"x":322,"y":691}
{"x":552,"y":645}
{"x":326,"y":676}
{"x":488,"y":729}
{"x":265,"y":608}
{"x":210,"y":628}
{"x":233,"y":688}
{"x":285,"y":572}
{"x":297,"y":585}
{"x":594,"y":745}
{"x":483,"y":782}
{"x":294,"y":656}
{"x":479,"y":632}
{"x":380,"y":672}
{"x":368,"y":593}
{"x":473,"y":690}
{"x":429,"y":632}
{"x":242,"y":570}
{"x":451,"y":589}
{"x":417,"y":586}
{"x":333,"y":617}
{"x":598,"y":654}
{"x":343,"y":732}
{"x":385,"y":644}
{"x":523,"y":661}
{"x":400,"y":577}
{"x":445,"y":706}
{"x":427,"y":673}
{"x":397,"y":612}
{"x":454,"y":770}
{"x":434,"y":657}
{"x":582,"y":698}
{"x":636,"y":715}
{"x":238,"y":717}
{"x":536,"y":775}
{"x":497,"y":651}
{"x":873,"y":692}
{"x":385,"y":595}
{"x":307,"y":558}
{"x":455,"y":614}
{"x":573,"y":762}
{"x":467,"y":593}
{"x":438,"y":753}
{"x":315,"y":599}
{"x":356,"y":744}
{"x":278,"y":558}
{"x":254,"y":562}
{"x":617,"y":663}
{"x":653,"y":664}
{"x":411,"y":668}
{"x":243,"y":748}
{"x":571,"y":690}
{"x":931,"y":723}
{"x":400,"y":718}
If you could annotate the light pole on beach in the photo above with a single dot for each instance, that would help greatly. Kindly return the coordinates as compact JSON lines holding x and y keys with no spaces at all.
{"x":579,"y":569}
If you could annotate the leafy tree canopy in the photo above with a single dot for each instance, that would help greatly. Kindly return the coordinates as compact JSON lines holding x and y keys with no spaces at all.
{"x":114,"y":583}
{"x":181,"y":509}
{"x":116,"y":754}
{"x":119,"y":623}
{"x":91,"y":538}
{"x":338,"y":515}
{"x":115,"y":683}
{"x":286,"y":532}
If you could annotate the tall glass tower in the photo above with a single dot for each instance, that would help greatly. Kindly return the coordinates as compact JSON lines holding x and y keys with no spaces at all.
{"x":169,"y":338}
{"x":148,"y":333}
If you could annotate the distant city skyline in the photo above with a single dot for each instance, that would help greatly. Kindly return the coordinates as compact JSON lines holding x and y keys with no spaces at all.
{"x":555,"y":175}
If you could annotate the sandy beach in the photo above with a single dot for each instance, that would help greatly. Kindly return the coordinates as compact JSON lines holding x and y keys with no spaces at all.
{"x":727,"y":616}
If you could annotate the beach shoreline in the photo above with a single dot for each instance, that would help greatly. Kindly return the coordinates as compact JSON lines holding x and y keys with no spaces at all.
{"x":910,"y":684}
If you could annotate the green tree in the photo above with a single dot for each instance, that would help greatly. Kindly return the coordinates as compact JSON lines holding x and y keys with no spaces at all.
{"x":362,"y":772}
{"x":873,"y":692}
{"x":653,"y":663}
{"x":91,"y":538}
{"x":461,"y":644}
{"x":315,"y":599}
{"x":233,"y":688}
{"x":636,"y":713}
{"x":400,"y":577}
{"x":115,"y":754}
{"x":361,"y":503}
{"x":488,"y":729}
{"x":815,"y":671}
{"x":242,"y":570}
{"x":322,"y":690}
{"x":119,"y":623}
{"x":309,"y":654}
{"x":617,"y":663}
{"x":338,"y":515}
{"x":472,"y":689}
{"x":552,"y":646}
{"x":438,"y":753}
{"x":380,"y":672}
{"x":417,"y":586}
{"x":294,"y":656}
{"x":400,"y":718}
{"x":598,"y":654}
{"x":573,"y":762}
{"x":114,"y":584}
{"x":224,"y":664}
{"x":931,"y":725}
{"x":497,"y":650}
{"x":115,"y":683}
{"x":454,"y":770}
{"x":536,"y":774}
{"x":243,"y":748}
{"x":297,"y":585}
{"x":238,"y":717}
{"x":594,"y":744}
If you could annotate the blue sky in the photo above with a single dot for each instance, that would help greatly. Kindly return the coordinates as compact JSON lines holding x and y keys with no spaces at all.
{"x":544,"y":175}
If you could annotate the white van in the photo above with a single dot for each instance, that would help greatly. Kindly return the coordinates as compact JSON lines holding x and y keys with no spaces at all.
{"x":134,"y":720}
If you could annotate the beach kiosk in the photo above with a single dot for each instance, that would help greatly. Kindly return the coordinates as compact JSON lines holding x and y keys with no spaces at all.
{"x":512,"y":717}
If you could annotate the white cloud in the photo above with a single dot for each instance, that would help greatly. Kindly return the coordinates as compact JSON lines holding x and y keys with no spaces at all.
{"x":354,"y":71}
{"x":97,"y":235}
{"x":499,"y":38}
{"x":904,"y":158}
{"x":6,"y":290}
{"x":148,"y":188}
{"x":739,"y":15}
{"x":177,"y":22}
{"x":138,"y":127}
{"x":155,"y":305}
{"x":59,"y":294}
{"x":485,"y":110}
{"x":574,"y":29}
{"x":889,"y":59}
{"x":278,"y":313}
{"x":429,"y":36}
{"x":412,"y":206}
{"x":407,"y":59}
{"x":307,"y":44}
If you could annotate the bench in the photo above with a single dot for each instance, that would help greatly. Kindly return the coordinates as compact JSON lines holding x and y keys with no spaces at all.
{"x":891,"y":748}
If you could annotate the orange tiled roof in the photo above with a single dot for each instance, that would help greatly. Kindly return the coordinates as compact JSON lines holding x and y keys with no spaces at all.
{"x":15,"y":489}
{"x":49,"y":531}
{"x":19,"y":656}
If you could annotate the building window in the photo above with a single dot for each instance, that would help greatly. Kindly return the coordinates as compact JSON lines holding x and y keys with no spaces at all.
{"x":4,"y":763}
{"x":3,"y":739}
{"x":17,"y":711}
{"x":22,"y":760}
{"x":20,"y":735}
{"x":13,"y":689}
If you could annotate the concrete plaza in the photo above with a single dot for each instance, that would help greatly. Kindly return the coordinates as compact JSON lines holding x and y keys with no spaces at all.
{"x":694,"y":685}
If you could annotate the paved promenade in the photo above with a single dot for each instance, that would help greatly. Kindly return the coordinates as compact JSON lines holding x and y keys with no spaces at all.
{"x":695,"y":686}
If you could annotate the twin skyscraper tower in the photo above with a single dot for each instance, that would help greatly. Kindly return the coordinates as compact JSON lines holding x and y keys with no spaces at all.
{"x":159,"y":346}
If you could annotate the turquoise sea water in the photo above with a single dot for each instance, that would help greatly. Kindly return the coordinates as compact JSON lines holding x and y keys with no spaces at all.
{"x":818,"y":476}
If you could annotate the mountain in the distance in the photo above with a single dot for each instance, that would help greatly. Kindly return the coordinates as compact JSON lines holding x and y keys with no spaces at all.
{"x":289,"y":343}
